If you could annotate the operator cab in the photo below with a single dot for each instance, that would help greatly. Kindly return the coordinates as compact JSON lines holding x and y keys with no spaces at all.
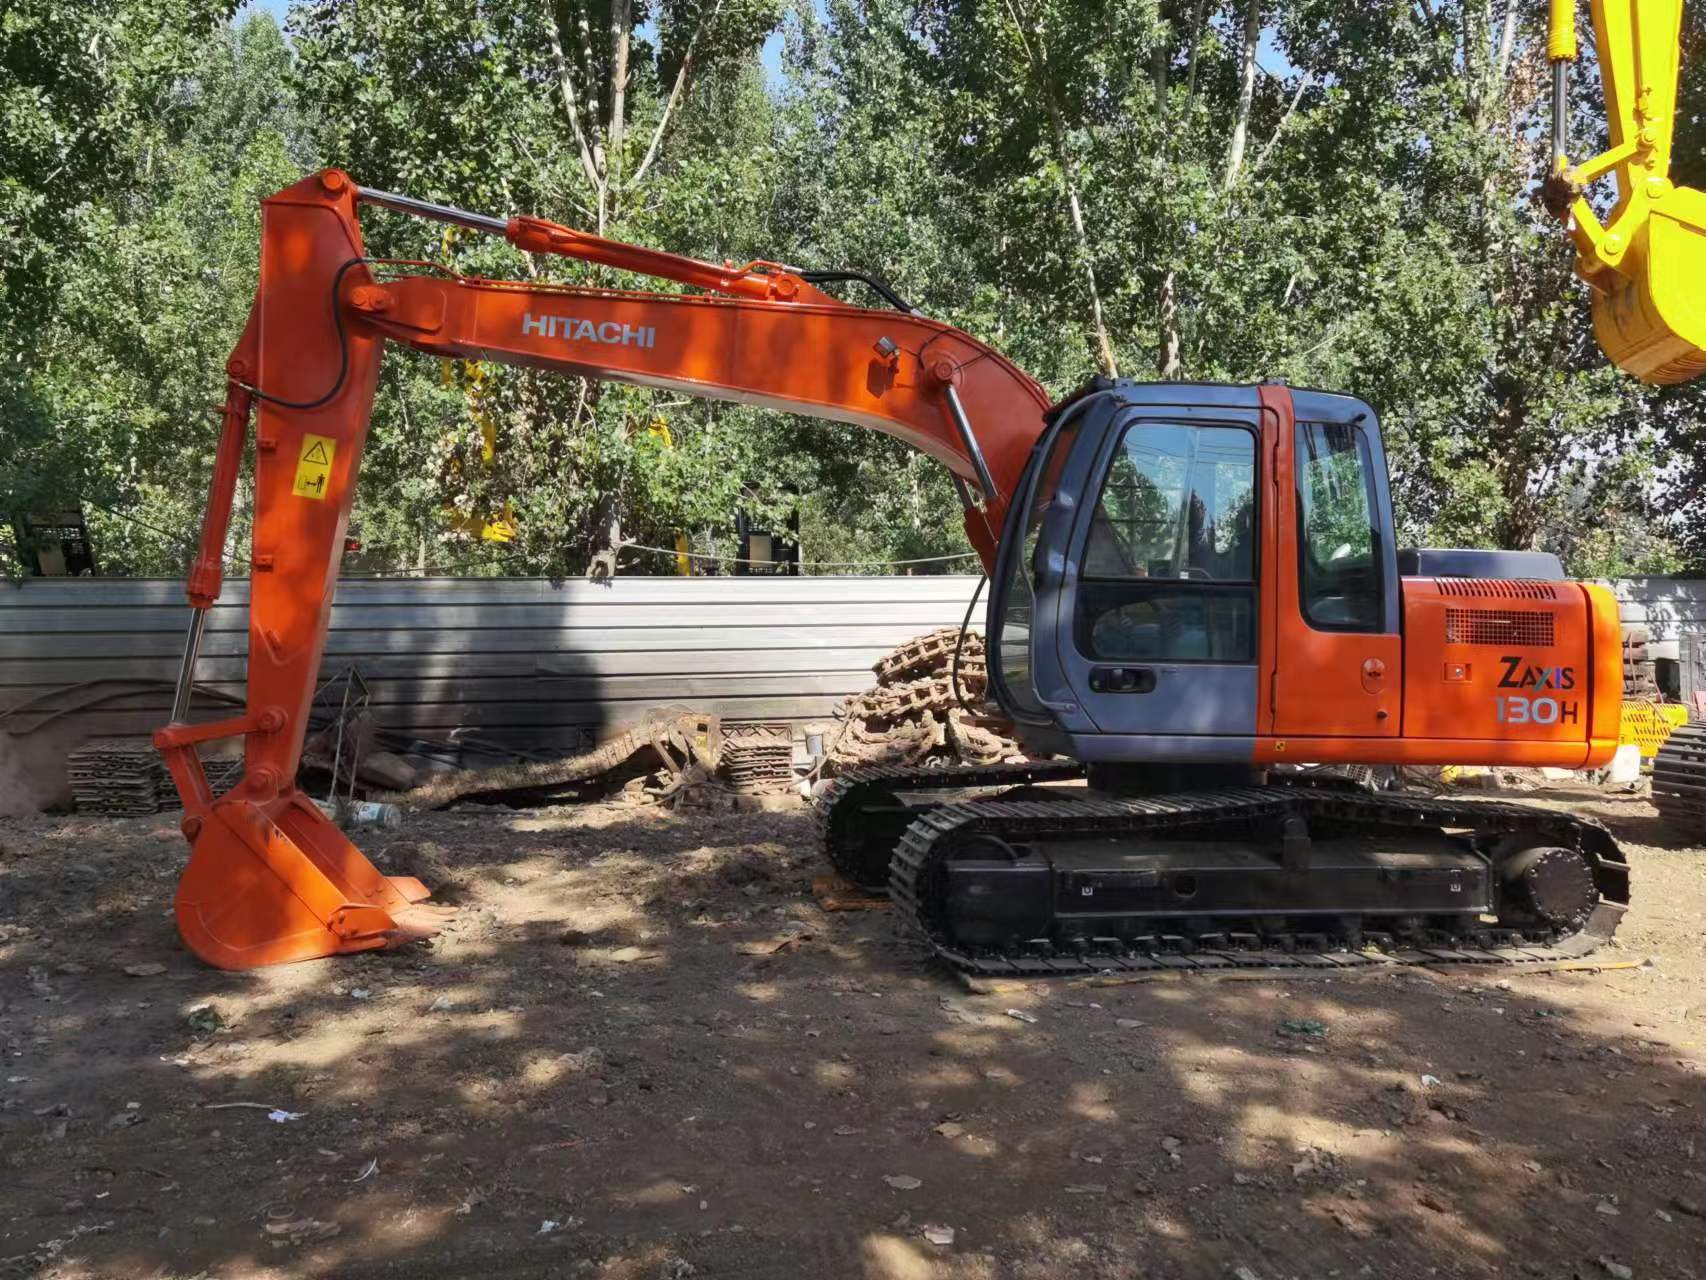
{"x":1138,"y":595}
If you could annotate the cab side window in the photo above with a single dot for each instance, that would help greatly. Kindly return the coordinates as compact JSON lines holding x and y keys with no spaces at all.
{"x":1339,"y":578}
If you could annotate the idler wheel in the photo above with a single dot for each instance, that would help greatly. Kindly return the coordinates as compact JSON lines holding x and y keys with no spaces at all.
{"x":1552,"y":885}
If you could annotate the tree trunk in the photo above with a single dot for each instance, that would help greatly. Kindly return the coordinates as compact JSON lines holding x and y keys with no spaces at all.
{"x":682,"y":78}
{"x":1036,"y":56}
{"x":1104,"y":346}
{"x":1168,"y":363}
{"x":1160,"y":58}
{"x":1518,"y":528}
{"x":591,"y":152}
{"x":621,"y":37}
{"x":1197,"y":20}
{"x":1246,"y":93}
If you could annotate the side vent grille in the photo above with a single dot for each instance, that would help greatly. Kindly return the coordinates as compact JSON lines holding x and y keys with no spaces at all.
{"x":1509,"y":628}
{"x":1508,"y":587}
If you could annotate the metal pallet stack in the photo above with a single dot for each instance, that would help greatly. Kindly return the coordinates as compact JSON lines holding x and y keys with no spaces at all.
{"x":119,"y":777}
{"x":758,"y":757}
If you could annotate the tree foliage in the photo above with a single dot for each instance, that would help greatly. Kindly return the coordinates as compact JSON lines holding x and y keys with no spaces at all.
{"x":1333,"y":192}
{"x":93,"y":109}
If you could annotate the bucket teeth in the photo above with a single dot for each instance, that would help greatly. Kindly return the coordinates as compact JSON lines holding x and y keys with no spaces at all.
{"x":279,"y":883}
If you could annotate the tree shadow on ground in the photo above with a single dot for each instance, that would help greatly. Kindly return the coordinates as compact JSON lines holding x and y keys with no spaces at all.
{"x":714,"y":1078}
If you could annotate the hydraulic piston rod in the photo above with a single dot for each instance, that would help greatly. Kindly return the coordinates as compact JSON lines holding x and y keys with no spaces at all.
{"x":435,"y":212}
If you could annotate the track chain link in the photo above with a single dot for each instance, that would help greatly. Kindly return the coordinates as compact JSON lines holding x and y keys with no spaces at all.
{"x":1679,"y":778}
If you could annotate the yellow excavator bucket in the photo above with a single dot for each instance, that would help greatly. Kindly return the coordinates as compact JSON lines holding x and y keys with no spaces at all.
{"x":1647,"y":260}
{"x":1652,"y":321}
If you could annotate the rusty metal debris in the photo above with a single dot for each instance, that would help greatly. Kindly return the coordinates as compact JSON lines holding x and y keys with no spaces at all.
{"x":119,"y":776}
{"x":913,"y":717}
{"x":669,"y":754}
{"x":758,"y":758}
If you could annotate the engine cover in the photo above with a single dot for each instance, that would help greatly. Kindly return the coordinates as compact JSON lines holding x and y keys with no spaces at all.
{"x":1498,"y":664}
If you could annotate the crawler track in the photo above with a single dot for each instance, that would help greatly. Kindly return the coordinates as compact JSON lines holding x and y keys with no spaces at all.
{"x":1679,"y":778}
{"x":860,"y":852}
{"x":1338,"y":941}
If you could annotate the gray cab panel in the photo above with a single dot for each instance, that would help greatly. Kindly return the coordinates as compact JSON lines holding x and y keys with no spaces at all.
{"x":1124,"y":654}
{"x":1132,"y":632}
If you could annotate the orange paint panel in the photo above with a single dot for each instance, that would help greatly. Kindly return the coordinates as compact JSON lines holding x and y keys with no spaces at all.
{"x":1606,"y":720}
{"x":1524,"y":651}
{"x":1276,"y":408}
{"x":1562,"y":755}
{"x":818,"y":359}
{"x":1320,"y":683}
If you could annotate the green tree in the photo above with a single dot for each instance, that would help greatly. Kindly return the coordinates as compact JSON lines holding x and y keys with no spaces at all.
{"x":1336,"y":192}
{"x":148,"y":309}
{"x":91,"y":96}
{"x":648,"y":123}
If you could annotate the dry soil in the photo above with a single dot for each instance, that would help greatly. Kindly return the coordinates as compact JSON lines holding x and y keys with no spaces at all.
{"x":643,"y":1053}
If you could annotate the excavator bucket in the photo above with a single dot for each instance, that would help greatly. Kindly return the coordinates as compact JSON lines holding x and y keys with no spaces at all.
{"x":1652,"y":321}
{"x":275,"y":883}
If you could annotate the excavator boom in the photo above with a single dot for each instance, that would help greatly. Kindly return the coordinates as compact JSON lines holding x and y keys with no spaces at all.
{"x":270,"y":878}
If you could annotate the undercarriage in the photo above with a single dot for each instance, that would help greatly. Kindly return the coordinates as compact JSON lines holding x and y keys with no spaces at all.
{"x":1024,"y":869}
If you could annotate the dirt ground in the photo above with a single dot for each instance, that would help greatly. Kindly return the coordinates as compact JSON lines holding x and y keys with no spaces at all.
{"x":643,"y":1053}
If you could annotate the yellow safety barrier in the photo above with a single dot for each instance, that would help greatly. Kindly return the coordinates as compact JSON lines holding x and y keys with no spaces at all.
{"x":1647,"y":725}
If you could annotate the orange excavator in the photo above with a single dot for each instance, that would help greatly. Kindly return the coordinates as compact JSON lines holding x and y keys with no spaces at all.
{"x":1196,"y":589}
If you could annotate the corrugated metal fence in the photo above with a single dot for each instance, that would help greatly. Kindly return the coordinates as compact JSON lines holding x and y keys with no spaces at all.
{"x":521,"y":660}
{"x":1669,"y":607}
{"x":533,"y":662}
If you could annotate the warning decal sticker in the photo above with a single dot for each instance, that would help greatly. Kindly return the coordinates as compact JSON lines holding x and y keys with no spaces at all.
{"x":314,"y":466}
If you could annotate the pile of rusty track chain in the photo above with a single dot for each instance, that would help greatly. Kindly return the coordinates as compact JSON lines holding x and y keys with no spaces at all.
{"x":1640,"y":678}
{"x":680,"y":747}
{"x":757,"y":757}
{"x":912,"y":716}
{"x":1679,"y":779}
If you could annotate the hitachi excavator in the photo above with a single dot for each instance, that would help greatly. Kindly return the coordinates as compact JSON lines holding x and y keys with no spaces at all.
{"x":1195,"y":589}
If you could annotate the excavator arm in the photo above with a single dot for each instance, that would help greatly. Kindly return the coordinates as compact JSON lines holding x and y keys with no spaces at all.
{"x":1647,"y":258}
{"x":270,"y":879}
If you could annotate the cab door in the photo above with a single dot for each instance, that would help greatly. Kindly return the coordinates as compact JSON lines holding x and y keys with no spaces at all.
{"x":1157,"y":627}
{"x":1332,"y":651}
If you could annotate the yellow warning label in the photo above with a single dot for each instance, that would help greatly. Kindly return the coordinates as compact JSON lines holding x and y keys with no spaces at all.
{"x":314,"y":466}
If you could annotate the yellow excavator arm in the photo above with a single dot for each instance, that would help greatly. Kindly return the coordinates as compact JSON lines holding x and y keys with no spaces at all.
{"x":1647,"y":260}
